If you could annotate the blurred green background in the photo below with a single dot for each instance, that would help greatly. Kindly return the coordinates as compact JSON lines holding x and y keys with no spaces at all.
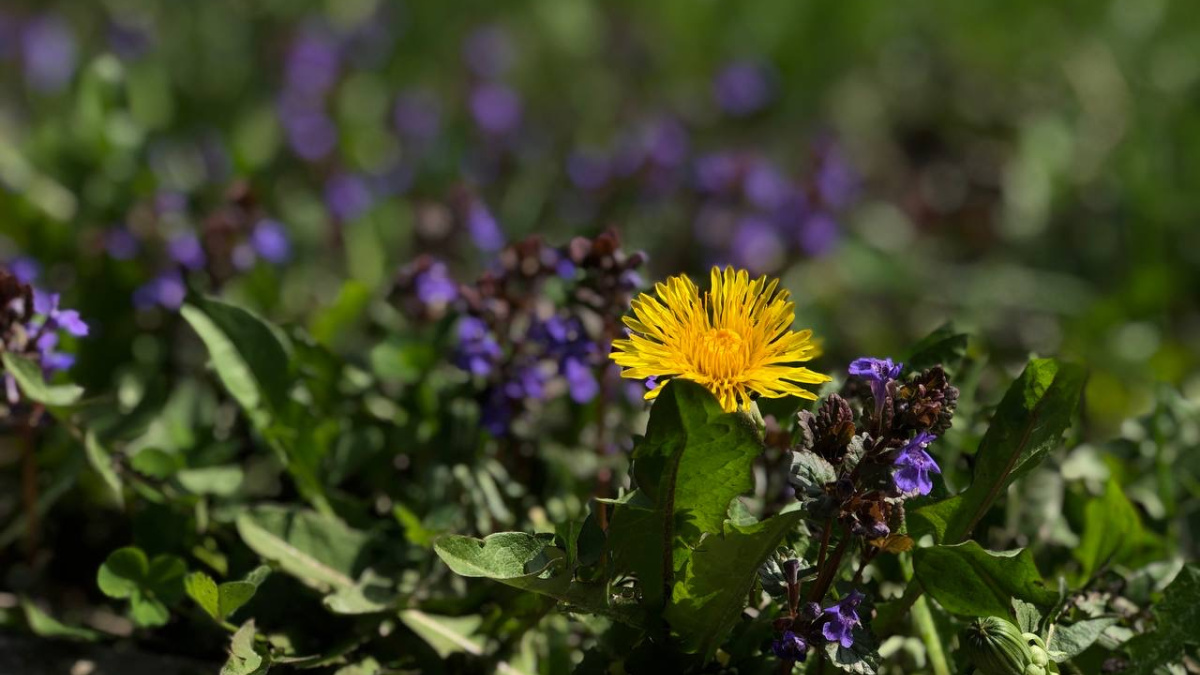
{"x":1023,"y":169}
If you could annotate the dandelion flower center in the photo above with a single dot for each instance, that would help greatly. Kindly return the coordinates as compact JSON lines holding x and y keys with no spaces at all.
{"x":736,"y":339}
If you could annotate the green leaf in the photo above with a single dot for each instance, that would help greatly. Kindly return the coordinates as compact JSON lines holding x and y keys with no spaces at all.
{"x":1111,"y":530}
{"x":245,"y":352}
{"x":710,"y":591}
{"x":694,"y":460}
{"x":319,"y":550}
{"x":1067,"y":642}
{"x":122,"y":573}
{"x":44,"y":625}
{"x":1029,"y":617}
{"x":102,"y":461}
{"x":220,"y":481}
{"x":969,"y":580}
{"x":446,"y":634}
{"x":148,"y":612}
{"x":1028,"y":424}
{"x":371,"y":594}
{"x":235,"y":594}
{"x":861,"y":658}
{"x":156,"y":463}
{"x":33,"y":383}
{"x":944,"y":346}
{"x":1176,"y":618}
{"x":244,"y":659}
{"x":201,"y":588}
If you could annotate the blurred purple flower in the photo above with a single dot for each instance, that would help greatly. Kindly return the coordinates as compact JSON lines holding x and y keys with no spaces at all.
{"x":418,"y":115}
{"x":477,"y":351}
{"x":347,"y":196}
{"x":717,"y":172}
{"x":53,"y":318}
{"x":837,"y":181}
{"x":743,"y":88}
{"x":819,"y":234}
{"x":765,"y":186}
{"x":52,"y":360}
{"x":312,"y":64}
{"x":49,"y":53}
{"x":843,"y":618}
{"x":25,"y":269}
{"x":667,"y":142}
{"x":581,"y":380}
{"x":790,"y":647}
{"x":495,"y":412}
{"x":756,"y":245}
{"x":482,"y":227}
{"x":435,"y":286}
{"x":121,"y":244}
{"x":565,"y":269}
{"x":270,"y":241}
{"x":914,"y":465}
{"x":495,"y":108}
{"x":129,"y":41}
{"x":185,"y":248}
{"x":167,"y":290}
{"x":488,"y":52}
{"x":310,"y":133}
{"x":529,"y":382}
{"x":587,"y":170}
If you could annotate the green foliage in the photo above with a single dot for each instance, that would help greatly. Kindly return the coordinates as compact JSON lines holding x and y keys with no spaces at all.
{"x":969,"y":580}
{"x":318,"y":550}
{"x":244,"y":656}
{"x":222,"y":600}
{"x":1176,"y":618}
{"x":151,"y":586}
{"x":33,"y":385}
{"x":1027,"y":425}
{"x":1112,"y":531}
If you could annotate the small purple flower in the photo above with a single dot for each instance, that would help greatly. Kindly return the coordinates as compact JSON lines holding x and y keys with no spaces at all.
{"x":495,"y":108}
{"x":879,"y":372}
{"x":477,"y":351}
{"x":529,"y":383}
{"x":418,"y":115}
{"x":49,"y":53}
{"x":756,"y":245}
{"x":51,"y":360}
{"x":312,"y":64}
{"x":581,"y":381}
{"x":435,"y":287}
{"x":667,"y":142}
{"x":588,"y":170}
{"x":121,"y":244}
{"x":836,"y":180}
{"x":843,"y":618}
{"x":167,"y":290}
{"x":914,"y":465}
{"x":270,"y":241}
{"x":25,"y":269}
{"x":186,"y":249}
{"x":765,"y":186}
{"x":565,"y":269}
{"x":347,"y":196}
{"x":743,"y":88}
{"x":818,"y":234}
{"x":717,"y":173}
{"x":790,"y":647}
{"x":488,"y":52}
{"x":46,"y":304}
{"x":310,"y":133}
{"x":482,"y":227}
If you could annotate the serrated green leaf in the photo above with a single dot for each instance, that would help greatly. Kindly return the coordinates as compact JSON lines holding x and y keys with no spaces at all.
{"x":319,"y":550}
{"x":1176,"y":619}
{"x":1112,"y":530}
{"x":33,"y":384}
{"x":1028,"y":423}
{"x":969,"y":580}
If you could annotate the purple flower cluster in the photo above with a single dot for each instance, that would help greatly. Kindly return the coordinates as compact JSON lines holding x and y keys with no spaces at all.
{"x":842,"y":619}
{"x":32,"y":324}
{"x":914,"y":465}
{"x":790,"y":647}
{"x":311,"y":69}
{"x":879,"y":373}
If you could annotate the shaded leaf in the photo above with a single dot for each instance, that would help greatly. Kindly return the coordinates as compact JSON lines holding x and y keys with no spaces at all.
{"x":319,"y":550}
{"x":246,"y":354}
{"x":1111,"y":530}
{"x":44,"y":625}
{"x":446,"y":634}
{"x":1176,"y":619}
{"x":969,"y":580}
{"x":1067,"y":642}
{"x":102,"y":461}
{"x":33,"y":383}
{"x":944,"y":346}
{"x":244,"y":659}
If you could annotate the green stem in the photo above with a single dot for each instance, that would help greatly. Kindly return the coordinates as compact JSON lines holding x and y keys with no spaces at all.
{"x":923,"y":620}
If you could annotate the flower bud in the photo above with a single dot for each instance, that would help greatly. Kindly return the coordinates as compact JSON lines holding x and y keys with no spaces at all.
{"x":997,"y":647}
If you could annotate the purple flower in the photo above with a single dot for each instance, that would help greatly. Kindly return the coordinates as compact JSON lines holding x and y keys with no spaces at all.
{"x":565,"y":269}
{"x":435,"y":287}
{"x":46,"y":304}
{"x":836,"y":179}
{"x":495,"y":108}
{"x":914,"y":464}
{"x":25,"y":269}
{"x":587,"y":170}
{"x":879,"y":372}
{"x":167,"y":290}
{"x":477,"y":351}
{"x":312,"y":64}
{"x":843,"y":618}
{"x":818,"y":234}
{"x":185,"y":249}
{"x":121,"y":244}
{"x":49,"y":53}
{"x":756,"y":245}
{"x":717,"y":173}
{"x":418,"y":115}
{"x":270,"y":241}
{"x":52,"y":361}
{"x":790,"y":647}
{"x":581,"y":381}
{"x":528,"y":383}
{"x":347,"y":196}
{"x":482,"y":227}
{"x":743,"y":88}
{"x":666,"y":142}
{"x":765,"y":187}
{"x":488,"y":52}
{"x":310,"y":133}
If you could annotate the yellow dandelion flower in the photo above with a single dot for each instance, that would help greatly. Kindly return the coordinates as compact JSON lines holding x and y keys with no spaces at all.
{"x":736,"y":340}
